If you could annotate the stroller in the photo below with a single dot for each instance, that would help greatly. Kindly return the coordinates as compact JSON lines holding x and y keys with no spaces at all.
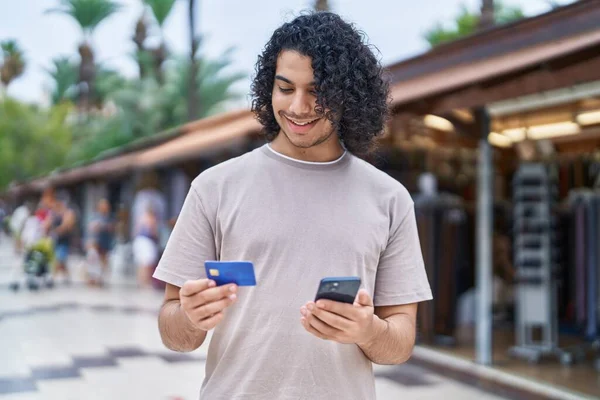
{"x":36,"y":270}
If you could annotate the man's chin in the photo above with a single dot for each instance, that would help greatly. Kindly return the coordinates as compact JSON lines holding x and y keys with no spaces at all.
{"x":303,"y":141}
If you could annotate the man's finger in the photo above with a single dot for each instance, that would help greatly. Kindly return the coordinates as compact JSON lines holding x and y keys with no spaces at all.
{"x":312,"y":330}
{"x":209,"y":295}
{"x":190,"y":288}
{"x":363,"y":298}
{"x":209,"y":323}
{"x":344,"y":310}
{"x":214,"y":307}
{"x":333,"y":320}
{"x":321,"y":326}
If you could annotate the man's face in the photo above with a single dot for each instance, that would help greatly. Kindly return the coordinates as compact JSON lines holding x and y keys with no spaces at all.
{"x":294,"y":101}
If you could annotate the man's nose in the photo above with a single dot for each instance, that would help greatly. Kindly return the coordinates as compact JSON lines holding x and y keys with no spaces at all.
{"x":301,"y":104}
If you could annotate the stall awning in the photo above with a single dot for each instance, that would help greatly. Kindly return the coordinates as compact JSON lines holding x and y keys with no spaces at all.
{"x":463,"y":75}
{"x":199,"y":142}
{"x":196,"y":139}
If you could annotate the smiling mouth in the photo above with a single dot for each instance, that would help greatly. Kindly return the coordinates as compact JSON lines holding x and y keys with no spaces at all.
{"x":301,"y":123}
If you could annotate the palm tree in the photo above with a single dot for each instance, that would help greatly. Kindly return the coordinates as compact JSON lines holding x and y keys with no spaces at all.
{"x":486,"y":20}
{"x":213,"y":87}
{"x":468,"y":22}
{"x":143,"y":107}
{"x":65,"y":76}
{"x":13,"y":62}
{"x":161,"y":9}
{"x":139,"y":38}
{"x":107,"y":82}
{"x":194,"y":106}
{"x":88,"y":14}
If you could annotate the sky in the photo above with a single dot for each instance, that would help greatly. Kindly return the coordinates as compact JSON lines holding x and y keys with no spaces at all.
{"x":395,"y":27}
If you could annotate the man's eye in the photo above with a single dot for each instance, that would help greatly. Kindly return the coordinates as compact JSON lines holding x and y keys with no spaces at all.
{"x":283,"y":90}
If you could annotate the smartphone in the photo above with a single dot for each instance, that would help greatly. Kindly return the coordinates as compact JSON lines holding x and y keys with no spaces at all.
{"x":342,"y":289}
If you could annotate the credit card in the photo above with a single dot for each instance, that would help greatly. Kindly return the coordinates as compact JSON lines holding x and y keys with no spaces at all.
{"x":223,"y":272}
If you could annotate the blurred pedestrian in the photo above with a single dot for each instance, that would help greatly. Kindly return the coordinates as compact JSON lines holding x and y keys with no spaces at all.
{"x":17,"y":222}
{"x":62,"y":227}
{"x":145,"y":246}
{"x":100,"y":244}
{"x":149,"y":226}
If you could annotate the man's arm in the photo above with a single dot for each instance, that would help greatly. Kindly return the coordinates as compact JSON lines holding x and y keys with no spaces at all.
{"x":176,"y":330}
{"x":395,"y":332}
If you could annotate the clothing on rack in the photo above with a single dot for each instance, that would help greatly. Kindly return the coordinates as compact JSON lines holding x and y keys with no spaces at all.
{"x":584,"y":295}
{"x":443,"y":232}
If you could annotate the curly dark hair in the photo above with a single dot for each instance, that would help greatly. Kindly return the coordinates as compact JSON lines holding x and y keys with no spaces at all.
{"x":348,"y":78}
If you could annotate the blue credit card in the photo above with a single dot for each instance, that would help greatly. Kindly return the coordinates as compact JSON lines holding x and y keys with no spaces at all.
{"x":223,"y":272}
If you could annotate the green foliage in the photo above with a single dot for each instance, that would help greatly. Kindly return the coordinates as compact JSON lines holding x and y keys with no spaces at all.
{"x":466,"y":23}
{"x":13,"y":61}
{"x":87,"y":13}
{"x":65,"y":74}
{"x":35,"y":141}
{"x":142,"y":107}
{"x":10,"y":47}
{"x":106,"y":82}
{"x":32,"y":141}
{"x":160,"y":9}
{"x":213,"y":85}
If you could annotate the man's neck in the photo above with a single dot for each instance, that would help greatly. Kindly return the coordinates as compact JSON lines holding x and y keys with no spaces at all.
{"x":327,"y":151}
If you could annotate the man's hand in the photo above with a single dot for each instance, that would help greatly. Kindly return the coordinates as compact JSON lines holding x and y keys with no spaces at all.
{"x":203,"y":302}
{"x":342,"y":322}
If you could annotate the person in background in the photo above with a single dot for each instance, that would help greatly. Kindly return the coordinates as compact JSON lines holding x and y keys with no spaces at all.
{"x":149,"y":226}
{"x":3,"y":213}
{"x":62,"y":225}
{"x":101,"y":232}
{"x":44,"y":209}
{"x":149,"y":195}
{"x":17,"y":222}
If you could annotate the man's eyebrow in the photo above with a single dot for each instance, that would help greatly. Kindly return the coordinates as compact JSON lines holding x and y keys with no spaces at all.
{"x":282,"y":78}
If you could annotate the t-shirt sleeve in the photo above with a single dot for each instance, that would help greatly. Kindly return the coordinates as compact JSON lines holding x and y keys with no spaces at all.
{"x":191,"y":243}
{"x":401,"y":276}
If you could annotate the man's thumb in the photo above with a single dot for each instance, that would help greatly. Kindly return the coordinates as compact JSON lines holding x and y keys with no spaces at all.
{"x":364,"y":299}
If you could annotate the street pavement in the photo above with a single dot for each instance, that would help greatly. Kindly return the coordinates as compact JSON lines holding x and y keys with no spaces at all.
{"x":75,"y":342}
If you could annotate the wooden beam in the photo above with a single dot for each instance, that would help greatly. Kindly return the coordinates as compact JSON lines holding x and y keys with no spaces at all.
{"x":539,"y":80}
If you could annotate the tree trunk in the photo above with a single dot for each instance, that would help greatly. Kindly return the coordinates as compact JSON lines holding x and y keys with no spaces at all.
{"x":159,"y":55}
{"x":87,"y":76}
{"x":141,"y":33}
{"x":487,"y":14}
{"x":193,"y":100}
{"x":321,"y":5}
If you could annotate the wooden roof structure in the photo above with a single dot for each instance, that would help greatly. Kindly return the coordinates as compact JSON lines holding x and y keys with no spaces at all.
{"x":550,"y":51}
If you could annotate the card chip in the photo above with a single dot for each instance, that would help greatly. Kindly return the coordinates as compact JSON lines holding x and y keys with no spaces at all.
{"x":214,"y":272}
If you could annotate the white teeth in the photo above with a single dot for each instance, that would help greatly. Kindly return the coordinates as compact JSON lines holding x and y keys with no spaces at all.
{"x":302,"y":123}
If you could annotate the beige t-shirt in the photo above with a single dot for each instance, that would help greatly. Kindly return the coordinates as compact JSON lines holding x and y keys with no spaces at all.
{"x":298,"y":222}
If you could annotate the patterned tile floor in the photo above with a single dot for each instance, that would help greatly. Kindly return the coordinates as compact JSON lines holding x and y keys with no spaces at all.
{"x":73,"y":343}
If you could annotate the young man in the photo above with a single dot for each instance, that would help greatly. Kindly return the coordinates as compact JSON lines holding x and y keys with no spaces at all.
{"x":301,"y":208}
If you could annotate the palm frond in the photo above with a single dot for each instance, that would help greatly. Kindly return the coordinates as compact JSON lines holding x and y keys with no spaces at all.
{"x":87,"y":13}
{"x":160,"y":9}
